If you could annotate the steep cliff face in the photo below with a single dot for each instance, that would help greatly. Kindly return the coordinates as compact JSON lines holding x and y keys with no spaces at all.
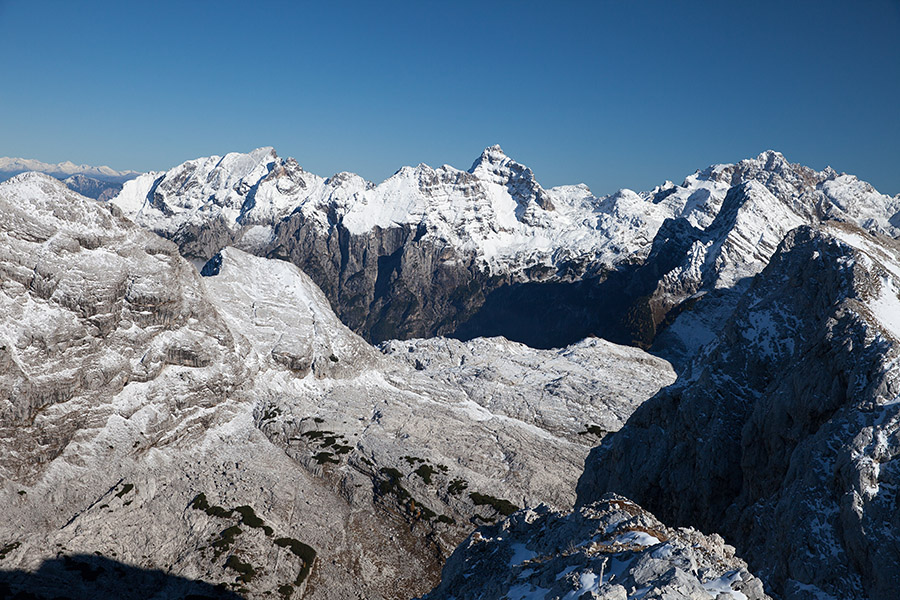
{"x":784,"y":434}
{"x":230,"y":429}
{"x":386,"y":284}
{"x":412,"y":256}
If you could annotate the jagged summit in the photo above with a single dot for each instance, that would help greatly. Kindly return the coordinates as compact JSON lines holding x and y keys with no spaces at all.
{"x":34,"y":195}
{"x":492,"y":155}
{"x":495,"y":166}
{"x":772,"y":159}
{"x":611,"y":550}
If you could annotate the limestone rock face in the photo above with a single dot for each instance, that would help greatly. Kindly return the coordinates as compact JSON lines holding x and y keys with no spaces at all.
{"x":93,"y":307}
{"x":235,"y":429}
{"x":229,"y":429}
{"x":597,"y":382}
{"x":611,"y":549}
{"x":783,"y":434}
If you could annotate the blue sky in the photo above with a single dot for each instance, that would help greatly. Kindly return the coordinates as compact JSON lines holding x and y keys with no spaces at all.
{"x":613,"y":94}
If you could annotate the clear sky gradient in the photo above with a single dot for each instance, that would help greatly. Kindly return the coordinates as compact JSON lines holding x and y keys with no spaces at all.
{"x":613,"y":94}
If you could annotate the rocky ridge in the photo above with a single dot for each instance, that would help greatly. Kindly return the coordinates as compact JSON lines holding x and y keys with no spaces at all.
{"x":611,"y":549}
{"x":749,"y":444}
{"x":547,"y":388}
{"x":99,"y":183}
{"x":93,"y":188}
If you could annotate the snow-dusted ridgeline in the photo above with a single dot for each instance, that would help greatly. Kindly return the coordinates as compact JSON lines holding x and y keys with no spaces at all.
{"x":420,"y":253}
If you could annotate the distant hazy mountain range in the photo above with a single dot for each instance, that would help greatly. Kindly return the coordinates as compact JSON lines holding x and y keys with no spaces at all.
{"x":100,"y":183}
{"x":14,"y":166}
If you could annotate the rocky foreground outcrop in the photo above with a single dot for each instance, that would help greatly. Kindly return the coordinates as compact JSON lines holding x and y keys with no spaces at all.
{"x":611,"y":549}
{"x":785,"y":436}
{"x":230,"y":430}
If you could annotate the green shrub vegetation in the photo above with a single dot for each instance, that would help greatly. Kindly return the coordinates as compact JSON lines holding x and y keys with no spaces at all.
{"x":457,"y":485}
{"x":8,"y":548}
{"x":593,"y":429}
{"x":249,"y":518}
{"x":504,"y":507}
{"x":201,"y":503}
{"x":125,"y":489}
{"x":226,"y":539}
{"x":306,"y":553}
{"x":425,"y":471}
{"x":420,"y":510}
{"x":246,"y":570}
{"x":325,"y":457}
{"x":391,"y":485}
{"x":392,"y":473}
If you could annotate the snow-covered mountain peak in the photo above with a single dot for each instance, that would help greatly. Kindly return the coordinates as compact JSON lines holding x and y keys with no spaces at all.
{"x":492,"y":155}
{"x":123,"y":371}
{"x":494,"y":220}
{"x":241,"y":165}
{"x":625,"y":194}
{"x":772,"y":159}
{"x":496,"y":167}
{"x":33,"y":176}
{"x":792,"y":414}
